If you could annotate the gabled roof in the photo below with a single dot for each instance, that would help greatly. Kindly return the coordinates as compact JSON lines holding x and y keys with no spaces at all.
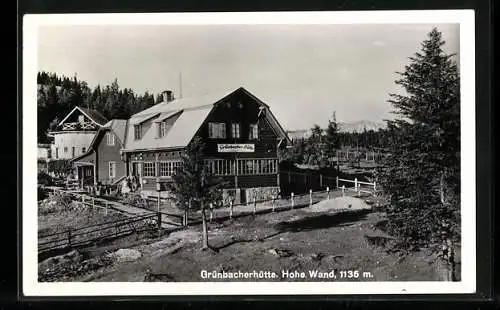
{"x":93,"y":115}
{"x":117,"y":126}
{"x":187,"y":114}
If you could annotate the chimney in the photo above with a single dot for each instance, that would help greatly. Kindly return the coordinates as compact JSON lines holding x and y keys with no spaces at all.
{"x":168,"y":96}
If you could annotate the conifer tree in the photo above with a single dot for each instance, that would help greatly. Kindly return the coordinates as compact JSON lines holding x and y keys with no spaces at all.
{"x":194,"y":188}
{"x":422,"y":168}
{"x":331,"y":139}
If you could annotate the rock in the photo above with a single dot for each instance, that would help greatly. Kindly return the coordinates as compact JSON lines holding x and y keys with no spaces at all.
{"x":273,"y":252}
{"x":316,"y":256}
{"x":280,"y":252}
{"x":73,"y":257}
{"x":126,"y":255}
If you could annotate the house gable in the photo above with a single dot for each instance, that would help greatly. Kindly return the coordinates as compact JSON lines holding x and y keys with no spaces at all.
{"x":81,"y":119}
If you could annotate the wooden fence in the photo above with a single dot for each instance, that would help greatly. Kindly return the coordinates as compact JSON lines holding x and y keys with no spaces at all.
{"x":90,"y":234}
{"x":98,"y":232}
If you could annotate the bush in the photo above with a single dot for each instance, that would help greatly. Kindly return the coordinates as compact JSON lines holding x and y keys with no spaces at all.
{"x":136,"y":200}
{"x":45,"y":179}
{"x":60,"y":166}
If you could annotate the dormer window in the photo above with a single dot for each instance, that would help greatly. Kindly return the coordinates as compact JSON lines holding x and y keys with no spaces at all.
{"x":110,"y":138}
{"x":81,"y":119}
{"x":137,"y":132}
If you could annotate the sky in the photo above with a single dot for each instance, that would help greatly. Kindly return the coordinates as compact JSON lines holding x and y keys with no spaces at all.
{"x":303,"y":72}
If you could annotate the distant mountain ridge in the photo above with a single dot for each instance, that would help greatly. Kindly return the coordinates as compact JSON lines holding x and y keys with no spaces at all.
{"x":358,"y":126}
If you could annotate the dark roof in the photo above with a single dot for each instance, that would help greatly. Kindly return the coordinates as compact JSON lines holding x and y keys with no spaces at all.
{"x":95,"y":115}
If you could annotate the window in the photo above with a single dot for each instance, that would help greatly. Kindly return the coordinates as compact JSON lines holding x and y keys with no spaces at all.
{"x":162,"y":128}
{"x":169,"y":168}
{"x":217,"y":130}
{"x":137,"y":132}
{"x":112,"y":169}
{"x":73,"y":151}
{"x":254,"y":132}
{"x":235,"y":130}
{"x":148,"y":169}
{"x":111,"y":138}
{"x":57,"y":152}
{"x":65,"y":149}
{"x":81,"y":119}
{"x":83,"y":150}
{"x":257,"y":166}
{"x":220,"y":166}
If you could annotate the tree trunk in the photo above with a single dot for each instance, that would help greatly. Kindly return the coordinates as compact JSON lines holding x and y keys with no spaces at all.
{"x":185,"y":217}
{"x":205,"y":228}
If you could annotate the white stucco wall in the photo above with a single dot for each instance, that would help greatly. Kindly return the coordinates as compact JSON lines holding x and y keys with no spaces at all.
{"x":78,"y":140}
{"x":43,"y":152}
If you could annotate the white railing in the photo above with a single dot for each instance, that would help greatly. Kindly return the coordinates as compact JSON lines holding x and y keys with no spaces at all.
{"x":372,"y":186}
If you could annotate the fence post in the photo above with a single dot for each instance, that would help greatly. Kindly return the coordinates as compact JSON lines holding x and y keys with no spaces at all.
{"x":158,"y":214}
{"x":105,"y":208}
{"x":230,"y":209}
{"x":328,"y":192}
{"x":83,"y":201}
{"x":211,"y":212}
{"x":310,"y":197}
{"x":374,"y":187}
{"x":292,"y":200}
{"x":272,"y":203}
{"x":321,"y":180}
{"x":254,"y":205}
{"x":337,"y":182}
{"x":69,"y":238}
{"x":343,"y":190}
{"x":356,"y":184}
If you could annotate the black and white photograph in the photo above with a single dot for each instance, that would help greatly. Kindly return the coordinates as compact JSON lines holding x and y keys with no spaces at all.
{"x":249,"y":153}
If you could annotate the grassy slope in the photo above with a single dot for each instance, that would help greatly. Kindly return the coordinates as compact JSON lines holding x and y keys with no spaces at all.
{"x":338,"y":239}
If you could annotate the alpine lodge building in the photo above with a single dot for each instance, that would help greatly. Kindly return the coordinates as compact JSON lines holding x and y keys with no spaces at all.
{"x":240,"y":134}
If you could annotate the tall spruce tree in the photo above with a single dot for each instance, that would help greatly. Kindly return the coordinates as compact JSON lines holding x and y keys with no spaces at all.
{"x":422,"y":168}
{"x":331,"y":139}
{"x":193,"y":187}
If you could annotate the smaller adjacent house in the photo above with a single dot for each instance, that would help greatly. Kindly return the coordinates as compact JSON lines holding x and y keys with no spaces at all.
{"x":73,"y":135}
{"x":102,"y":162}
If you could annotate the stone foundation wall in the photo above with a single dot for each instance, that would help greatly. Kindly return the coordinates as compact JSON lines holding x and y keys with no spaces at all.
{"x":261,"y":193}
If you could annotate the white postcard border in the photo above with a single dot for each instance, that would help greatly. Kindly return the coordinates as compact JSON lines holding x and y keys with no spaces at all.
{"x":31,"y":286}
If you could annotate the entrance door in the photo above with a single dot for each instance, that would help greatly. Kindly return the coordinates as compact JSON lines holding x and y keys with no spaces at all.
{"x":136,"y":169}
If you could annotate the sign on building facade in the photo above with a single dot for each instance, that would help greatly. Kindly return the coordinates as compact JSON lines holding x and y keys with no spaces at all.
{"x":236,"y":148}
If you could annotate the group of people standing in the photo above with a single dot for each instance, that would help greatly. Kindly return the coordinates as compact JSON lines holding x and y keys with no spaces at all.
{"x":130,"y":184}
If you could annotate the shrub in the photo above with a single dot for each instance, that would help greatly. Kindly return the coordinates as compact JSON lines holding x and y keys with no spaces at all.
{"x":45,"y":179}
{"x":136,"y":200}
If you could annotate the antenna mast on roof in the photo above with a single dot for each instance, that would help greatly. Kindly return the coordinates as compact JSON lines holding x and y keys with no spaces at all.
{"x":180,"y":84}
